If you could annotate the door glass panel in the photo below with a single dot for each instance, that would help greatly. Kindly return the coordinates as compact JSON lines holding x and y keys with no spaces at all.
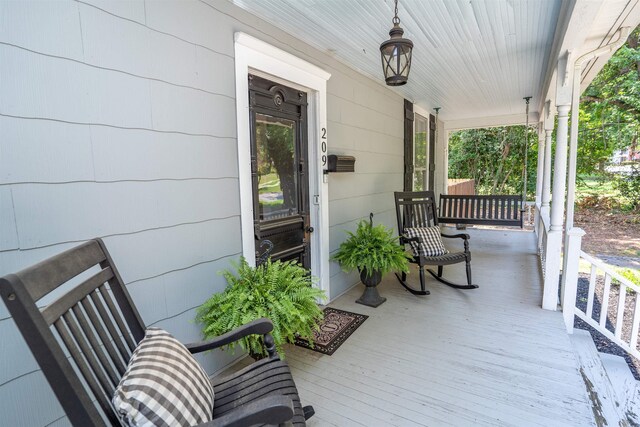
{"x":419,"y":180}
{"x":420,"y":153}
{"x":277,"y":172}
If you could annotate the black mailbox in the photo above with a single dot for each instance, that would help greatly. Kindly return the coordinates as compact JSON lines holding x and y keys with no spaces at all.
{"x":341,"y":163}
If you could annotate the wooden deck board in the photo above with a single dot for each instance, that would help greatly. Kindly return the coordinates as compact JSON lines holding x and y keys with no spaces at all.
{"x":489,"y":356}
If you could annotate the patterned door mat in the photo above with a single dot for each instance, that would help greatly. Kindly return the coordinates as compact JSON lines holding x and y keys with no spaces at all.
{"x":336,"y":327}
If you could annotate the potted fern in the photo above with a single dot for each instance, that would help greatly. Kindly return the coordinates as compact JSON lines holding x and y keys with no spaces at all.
{"x":281,"y":291}
{"x":374,"y":251}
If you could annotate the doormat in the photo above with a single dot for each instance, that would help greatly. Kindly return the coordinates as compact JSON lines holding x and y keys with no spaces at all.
{"x":334,"y":330}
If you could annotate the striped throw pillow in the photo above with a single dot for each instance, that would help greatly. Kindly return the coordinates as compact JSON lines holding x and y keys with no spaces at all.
{"x":163,"y":385}
{"x":430,"y":241}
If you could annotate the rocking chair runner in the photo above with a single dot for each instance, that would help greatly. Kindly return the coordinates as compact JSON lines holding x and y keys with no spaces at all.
{"x":99,"y":326}
{"x":418,"y":209}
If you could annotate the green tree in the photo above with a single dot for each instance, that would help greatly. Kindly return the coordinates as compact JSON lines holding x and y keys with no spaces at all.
{"x":494,"y":158}
{"x":610,"y":108}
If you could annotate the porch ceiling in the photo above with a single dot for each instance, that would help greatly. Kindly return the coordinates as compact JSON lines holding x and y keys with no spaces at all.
{"x":472,"y":58}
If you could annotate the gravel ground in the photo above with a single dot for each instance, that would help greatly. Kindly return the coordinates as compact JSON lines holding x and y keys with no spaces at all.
{"x":603,"y":344}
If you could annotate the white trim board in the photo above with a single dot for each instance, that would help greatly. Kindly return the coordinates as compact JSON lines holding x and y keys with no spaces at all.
{"x":255,"y":56}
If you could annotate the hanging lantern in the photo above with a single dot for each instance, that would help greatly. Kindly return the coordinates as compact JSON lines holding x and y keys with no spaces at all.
{"x":396,"y":54}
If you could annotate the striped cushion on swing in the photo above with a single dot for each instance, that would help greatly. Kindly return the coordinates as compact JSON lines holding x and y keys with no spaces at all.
{"x":430,"y":243}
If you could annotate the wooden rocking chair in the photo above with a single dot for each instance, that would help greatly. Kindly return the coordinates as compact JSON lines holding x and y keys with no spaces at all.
{"x":94,"y":321}
{"x":418,"y":209}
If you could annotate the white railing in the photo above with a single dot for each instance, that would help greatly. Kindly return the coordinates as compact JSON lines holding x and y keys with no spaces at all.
{"x":612,"y":318}
{"x":542,"y":230}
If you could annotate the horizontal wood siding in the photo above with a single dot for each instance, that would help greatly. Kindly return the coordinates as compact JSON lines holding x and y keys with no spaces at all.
{"x":118,"y":120}
{"x":365,"y":121}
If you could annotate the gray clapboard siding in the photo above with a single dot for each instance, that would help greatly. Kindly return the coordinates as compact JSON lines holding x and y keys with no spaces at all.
{"x":132,"y":10}
{"x":209,"y":114}
{"x":35,"y":85}
{"x":48,"y":214}
{"x":348,"y":185}
{"x":44,"y":151}
{"x":42,"y":408}
{"x":189,"y":288}
{"x":206,"y":27}
{"x":47,"y":26}
{"x":347,"y":209}
{"x":163,"y":296}
{"x":374,"y":163}
{"x":8,"y":228}
{"x":152,"y":54}
{"x":15,"y":358}
{"x":49,"y":151}
{"x":118,"y":154}
{"x":174,"y":248}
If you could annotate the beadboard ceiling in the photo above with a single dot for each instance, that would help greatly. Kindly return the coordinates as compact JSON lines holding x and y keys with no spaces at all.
{"x":472,"y":58}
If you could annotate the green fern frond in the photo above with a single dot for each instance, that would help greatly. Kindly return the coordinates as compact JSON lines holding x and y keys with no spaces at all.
{"x":281,"y":291}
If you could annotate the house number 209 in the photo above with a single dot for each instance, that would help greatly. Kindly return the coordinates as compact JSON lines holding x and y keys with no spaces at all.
{"x":324,"y":146}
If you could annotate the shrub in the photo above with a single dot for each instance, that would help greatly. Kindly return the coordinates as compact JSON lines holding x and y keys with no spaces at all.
{"x":280,"y":291}
{"x":629,"y":187}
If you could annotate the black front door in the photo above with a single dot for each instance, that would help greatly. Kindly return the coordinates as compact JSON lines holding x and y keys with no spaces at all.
{"x":278,"y":117}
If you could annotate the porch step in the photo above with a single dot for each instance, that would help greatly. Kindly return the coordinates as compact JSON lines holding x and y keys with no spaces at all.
{"x":625,"y":385}
{"x":607,"y":407}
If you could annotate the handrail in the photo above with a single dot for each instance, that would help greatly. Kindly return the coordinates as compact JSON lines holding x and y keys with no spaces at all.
{"x":628,"y":343}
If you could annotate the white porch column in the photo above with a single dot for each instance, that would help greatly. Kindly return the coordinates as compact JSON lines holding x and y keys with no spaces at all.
{"x":554,"y":238}
{"x":546,"y":179}
{"x":539,"y":177}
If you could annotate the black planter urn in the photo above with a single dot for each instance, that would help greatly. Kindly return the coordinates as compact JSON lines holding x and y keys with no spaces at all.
{"x":370,"y":296}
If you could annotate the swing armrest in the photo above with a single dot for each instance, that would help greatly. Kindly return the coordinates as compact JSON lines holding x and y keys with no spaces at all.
{"x":464,"y":236}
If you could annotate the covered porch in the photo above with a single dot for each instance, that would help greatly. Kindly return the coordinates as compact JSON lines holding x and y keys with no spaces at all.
{"x":154,"y":124}
{"x":484,"y":357}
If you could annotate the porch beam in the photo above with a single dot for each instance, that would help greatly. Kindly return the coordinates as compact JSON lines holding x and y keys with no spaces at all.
{"x":492,"y":121}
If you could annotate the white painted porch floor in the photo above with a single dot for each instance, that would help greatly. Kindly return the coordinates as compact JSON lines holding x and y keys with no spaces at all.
{"x":489,"y":356}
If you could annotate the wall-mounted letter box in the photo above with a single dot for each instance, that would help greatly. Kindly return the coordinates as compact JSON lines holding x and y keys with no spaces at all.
{"x":341,"y":163}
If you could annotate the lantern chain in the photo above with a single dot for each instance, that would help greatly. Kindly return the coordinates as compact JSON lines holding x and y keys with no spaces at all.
{"x":396,"y":20}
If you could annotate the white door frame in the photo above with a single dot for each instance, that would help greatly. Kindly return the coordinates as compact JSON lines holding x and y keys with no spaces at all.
{"x":257,"y":57}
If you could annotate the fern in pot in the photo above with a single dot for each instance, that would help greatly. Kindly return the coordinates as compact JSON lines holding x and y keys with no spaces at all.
{"x":280,"y":291}
{"x":374,"y":251}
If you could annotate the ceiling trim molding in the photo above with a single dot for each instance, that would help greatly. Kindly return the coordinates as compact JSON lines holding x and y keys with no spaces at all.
{"x":489,"y":122}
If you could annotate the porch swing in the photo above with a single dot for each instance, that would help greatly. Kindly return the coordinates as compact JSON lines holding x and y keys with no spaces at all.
{"x":501,"y":210}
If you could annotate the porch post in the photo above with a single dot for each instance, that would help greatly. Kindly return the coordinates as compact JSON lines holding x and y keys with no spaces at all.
{"x":549,"y":124}
{"x":570,"y":276}
{"x":554,"y":238}
{"x":539,"y":178}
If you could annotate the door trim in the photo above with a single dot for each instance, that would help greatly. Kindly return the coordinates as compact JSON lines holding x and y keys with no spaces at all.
{"x":253,"y":56}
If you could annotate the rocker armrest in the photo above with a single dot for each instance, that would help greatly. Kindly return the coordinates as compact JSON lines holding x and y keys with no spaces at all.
{"x":404,"y":239}
{"x":464,"y":236}
{"x":258,"y":327}
{"x":272,"y":410}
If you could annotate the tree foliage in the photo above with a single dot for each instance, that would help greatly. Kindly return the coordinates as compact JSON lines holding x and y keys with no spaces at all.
{"x":494,"y":158}
{"x":609,"y":121}
{"x":610,"y":108}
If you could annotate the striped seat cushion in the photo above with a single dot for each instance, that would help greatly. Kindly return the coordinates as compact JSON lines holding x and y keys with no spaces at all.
{"x":430,"y":243}
{"x":163,"y":385}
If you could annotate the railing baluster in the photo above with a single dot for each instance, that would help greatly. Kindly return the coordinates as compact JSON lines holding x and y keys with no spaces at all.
{"x":620,"y":314}
{"x":592,"y":290}
{"x":604,"y":304}
{"x":635,"y":329}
